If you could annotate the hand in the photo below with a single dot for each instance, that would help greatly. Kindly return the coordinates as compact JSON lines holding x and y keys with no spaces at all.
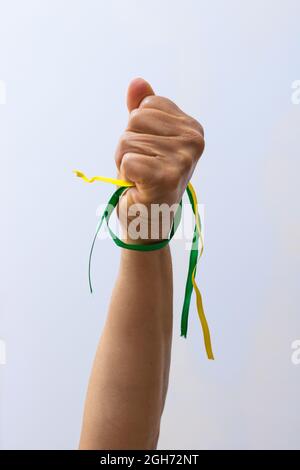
{"x":158,"y":151}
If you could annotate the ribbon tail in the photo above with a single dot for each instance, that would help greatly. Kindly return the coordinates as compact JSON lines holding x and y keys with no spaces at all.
{"x":189,"y":287}
{"x":92,"y":250}
{"x":191,"y":281}
{"x":106,"y":214}
{"x":203,"y":321}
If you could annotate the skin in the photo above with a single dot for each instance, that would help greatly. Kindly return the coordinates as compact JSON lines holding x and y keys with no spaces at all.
{"x":128,"y":385}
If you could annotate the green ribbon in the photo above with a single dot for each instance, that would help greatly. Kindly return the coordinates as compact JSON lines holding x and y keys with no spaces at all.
{"x":194,"y":254}
{"x":112,"y":203}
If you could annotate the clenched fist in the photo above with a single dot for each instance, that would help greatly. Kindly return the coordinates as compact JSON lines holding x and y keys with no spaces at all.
{"x":159,"y":149}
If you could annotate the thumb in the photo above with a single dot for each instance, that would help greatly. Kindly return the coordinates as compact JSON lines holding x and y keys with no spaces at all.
{"x":138,"y":90}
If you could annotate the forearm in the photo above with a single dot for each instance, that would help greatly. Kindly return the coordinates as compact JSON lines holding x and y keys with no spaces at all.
{"x":129,"y":380}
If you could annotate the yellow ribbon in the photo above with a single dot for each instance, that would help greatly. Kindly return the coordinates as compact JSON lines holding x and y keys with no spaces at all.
{"x":104,"y":179}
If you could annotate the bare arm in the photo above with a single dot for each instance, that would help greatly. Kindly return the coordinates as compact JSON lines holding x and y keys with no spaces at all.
{"x":129,"y":380}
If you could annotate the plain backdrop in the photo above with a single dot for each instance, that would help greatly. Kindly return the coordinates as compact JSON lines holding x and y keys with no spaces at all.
{"x":66,"y":65}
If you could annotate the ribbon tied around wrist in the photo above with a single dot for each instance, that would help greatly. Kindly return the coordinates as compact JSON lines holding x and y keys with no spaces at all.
{"x":195,"y":252}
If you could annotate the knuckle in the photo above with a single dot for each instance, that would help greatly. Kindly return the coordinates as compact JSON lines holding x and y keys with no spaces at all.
{"x":149,"y":102}
{"x":124,"y":141}
{"x":126,"y":158}
{"x":158,"y":102}
{"x":195,"y":140}
{"x":126,"y":161}
{"x":195,"y":125}
{"x":185,"y":160}
{"x":122,"y":147}
{"x":198,"y":142}
{"x":135,"y":116}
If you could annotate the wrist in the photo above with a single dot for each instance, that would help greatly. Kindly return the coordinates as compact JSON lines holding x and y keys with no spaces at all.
{"x":143,"y":225}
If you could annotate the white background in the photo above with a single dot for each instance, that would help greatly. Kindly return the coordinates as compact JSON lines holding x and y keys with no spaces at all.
{"x":231,"y":64}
